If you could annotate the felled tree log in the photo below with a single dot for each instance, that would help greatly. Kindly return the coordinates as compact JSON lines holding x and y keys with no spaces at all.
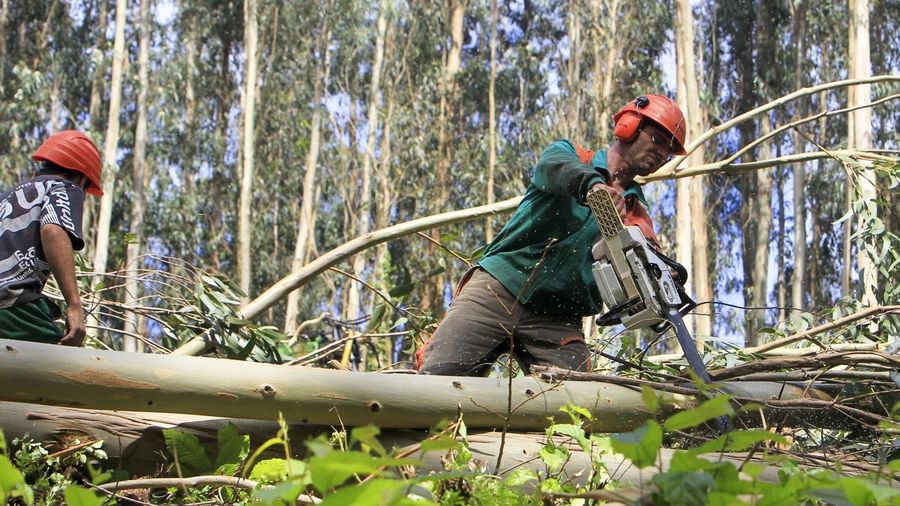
{"x":110,"y":380}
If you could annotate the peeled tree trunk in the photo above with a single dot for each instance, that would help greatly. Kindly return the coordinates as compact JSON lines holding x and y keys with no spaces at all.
{"x":109,"y":380}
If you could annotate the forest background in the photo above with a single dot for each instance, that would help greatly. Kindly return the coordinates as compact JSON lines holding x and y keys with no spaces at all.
{"x":244,"y":139}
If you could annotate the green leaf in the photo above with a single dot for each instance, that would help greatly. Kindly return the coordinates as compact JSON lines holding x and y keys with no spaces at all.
{"x":401,"y":290}
{"x":270,"y":470}
{"x":640,"y":445}
{"x":737,"y":441}
{"x":553,"y":456}
{"x":281,"y":494}
{"x":573,"y":431}
{"x":651,"y":400}
{"x":233,"y":447}
{"x":377,"y":316}
{"x":440,"y":443}
{"x":333,"y":469}
{"x":367,"y":435}
{"x":78,"y":496}
{"x":187,"y":450}
{"x":12,"y":483}
{"x":377,"y":491}
{"x":683,"y":488}
{"x":713,"y":408}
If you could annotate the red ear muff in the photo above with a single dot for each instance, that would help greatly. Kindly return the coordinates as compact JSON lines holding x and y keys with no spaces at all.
{"x":627,"y":126}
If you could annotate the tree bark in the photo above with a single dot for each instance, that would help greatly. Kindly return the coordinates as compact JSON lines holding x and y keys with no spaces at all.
{"x":492,"y":127}
{"x":364,"y":212}
{"x":307,"y":225}
{"x":133,"y":250}
{"x":861,"y":134}
{"x":110,"y":146}
{"x":111,"y":141}
{"x":245,"y":226}
{"x":96,"y":379}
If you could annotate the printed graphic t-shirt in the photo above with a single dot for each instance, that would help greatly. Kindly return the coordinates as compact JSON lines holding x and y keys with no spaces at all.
{"x":43,"y":200}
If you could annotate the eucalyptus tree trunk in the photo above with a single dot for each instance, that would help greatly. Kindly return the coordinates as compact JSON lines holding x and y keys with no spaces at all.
{"x":307,"y":225}
{"x":572,"y":105}
{"x":492,"y":127}
{"x":110,"y":380}
{"x":4,"y":19}
{"x":94,"y":105}
{"x":763,"y":228}
{"x":798,"y":276}
{"x":132,"y":286}
{"x":110,"y":146}
{"x":363,"y":213}
{"x":860,"y":135}
{"x":245,"y":232}
{"x":433,"y":293}
{"x":613,"y":54}
{"x":385,"y":198}
{"x":111,"y":141}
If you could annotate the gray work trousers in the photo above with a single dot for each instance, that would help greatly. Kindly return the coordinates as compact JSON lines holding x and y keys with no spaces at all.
{"x":485,"y":321}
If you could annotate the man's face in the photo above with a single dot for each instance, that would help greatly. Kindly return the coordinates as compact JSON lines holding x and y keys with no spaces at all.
{"x":650,"y":150}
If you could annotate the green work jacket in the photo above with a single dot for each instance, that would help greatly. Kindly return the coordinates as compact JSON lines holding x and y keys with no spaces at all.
{"x":543,"y":253}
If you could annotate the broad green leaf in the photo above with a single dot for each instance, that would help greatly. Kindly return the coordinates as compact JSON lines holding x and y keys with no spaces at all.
{"x":553,"y":456}
{"x":281,"y":494}
{"x":78,"y":496}
{"x":269,"y":470}
{"x":640,"y":445}
{"x":737,"y":441}
{"x":375,"y":492}
{"x":683,"y":488}
{"x":401,"y":290}
{"x":12,"y":483}
{"x":233,"y":447}
{"x":651,"y":400}
{"x":377,"y":316}
{"x":335,"y":468}
{"x":713,"y":408}
{"x":577,"y":413}
{"x":187,"y":450}
{"x":573,"y":431}
{"x":367,"y":435}
{"x":440,"y":444}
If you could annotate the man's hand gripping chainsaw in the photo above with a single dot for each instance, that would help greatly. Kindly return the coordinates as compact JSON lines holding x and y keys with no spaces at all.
{"x":636,"y":283}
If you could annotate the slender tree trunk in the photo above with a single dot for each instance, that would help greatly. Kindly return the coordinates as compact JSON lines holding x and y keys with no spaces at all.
{"x":492,"y":128}
{"x":110,"y":146}
{"x":613,"y":53}
{"x":95,"y":104}
{"x":433,"y":293}
{"x":763,"y":228}
{"x":111,"y":141}
{"x":780,"y":242}
{"x":307,"y":225}
{"x":861,"y":134}
{"x":798,"y":276}
{"x":385,"y":198}
{"x":363,"y":223}
{"x":691,"y":236}
{"x":132,"y":286}
{"x":4,"y":18}
{"x":245,"y":232}
{"x":573,"y":72}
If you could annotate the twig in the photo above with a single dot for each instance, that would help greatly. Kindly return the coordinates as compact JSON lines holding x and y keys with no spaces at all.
{"x":818,"y":361}
{"x":555,"y":373}
{"x":859,"y":315}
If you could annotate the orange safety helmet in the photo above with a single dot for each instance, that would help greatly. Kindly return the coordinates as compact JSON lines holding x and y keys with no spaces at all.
{"x":658,"y":109}
{"x":73,"y":150}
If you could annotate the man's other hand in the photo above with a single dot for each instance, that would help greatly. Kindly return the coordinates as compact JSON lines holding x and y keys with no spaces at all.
{"x":75,"y":327}
{"x":616,"y":195}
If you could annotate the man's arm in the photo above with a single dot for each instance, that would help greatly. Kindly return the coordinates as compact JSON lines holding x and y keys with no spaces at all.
{"x":561,"y":171}
{"x":58,"y":249}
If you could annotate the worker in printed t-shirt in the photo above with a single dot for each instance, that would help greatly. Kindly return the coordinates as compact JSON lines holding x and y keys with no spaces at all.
{"x":40,"y":229}
{"x":534,"y":284}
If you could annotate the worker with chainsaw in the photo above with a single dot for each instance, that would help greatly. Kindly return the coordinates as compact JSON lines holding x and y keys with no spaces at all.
{"x":40,"y":229}
{"x":529,"y":291}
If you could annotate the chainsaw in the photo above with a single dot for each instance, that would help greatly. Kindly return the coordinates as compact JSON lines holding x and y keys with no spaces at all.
{"x":636,"y":282}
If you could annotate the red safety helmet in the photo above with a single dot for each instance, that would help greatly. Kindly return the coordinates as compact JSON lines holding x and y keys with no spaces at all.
{"x":658,"y":109}
{"x":72,"y":150}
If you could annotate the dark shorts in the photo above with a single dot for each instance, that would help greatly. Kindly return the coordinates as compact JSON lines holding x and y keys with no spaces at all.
{"x":482,"y":321}
{"x":32,"y":321}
